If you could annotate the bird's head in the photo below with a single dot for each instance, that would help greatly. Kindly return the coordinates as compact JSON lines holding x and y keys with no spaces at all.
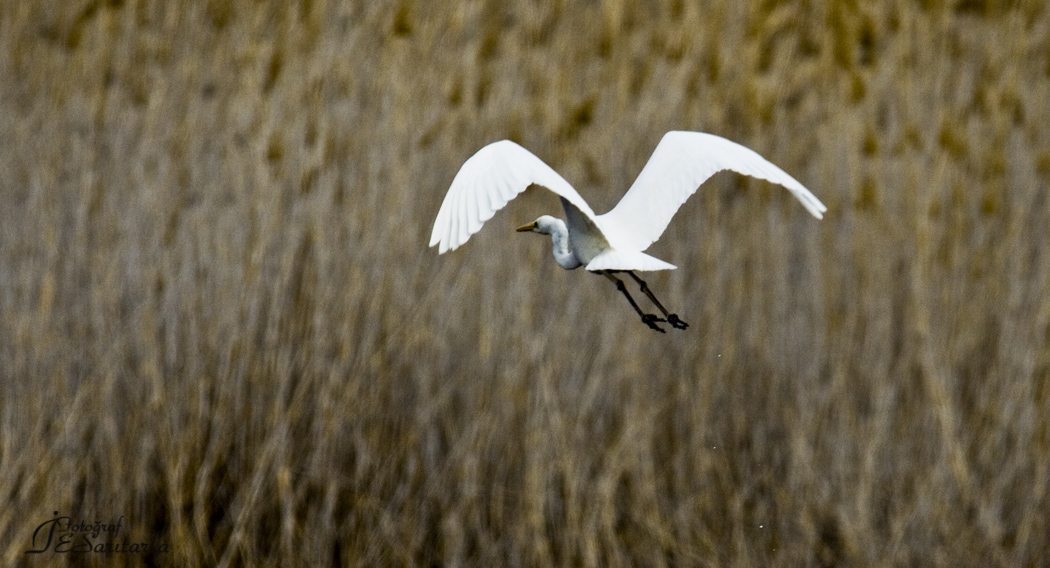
{"x":541,"y":225}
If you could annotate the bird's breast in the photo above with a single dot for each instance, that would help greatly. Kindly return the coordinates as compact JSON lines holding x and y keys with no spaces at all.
{"x":586,"y":246}
{"x":585,"y":238}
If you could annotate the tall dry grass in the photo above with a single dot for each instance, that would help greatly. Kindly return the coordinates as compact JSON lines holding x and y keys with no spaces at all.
{"x":219,"y":317}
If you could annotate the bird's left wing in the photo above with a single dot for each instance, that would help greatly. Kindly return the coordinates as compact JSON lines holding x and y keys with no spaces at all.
{"x":681,"y":162}
{"x":487,"y":181}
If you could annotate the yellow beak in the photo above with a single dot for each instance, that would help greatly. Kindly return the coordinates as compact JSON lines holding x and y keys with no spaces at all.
{"x":526,"y":228}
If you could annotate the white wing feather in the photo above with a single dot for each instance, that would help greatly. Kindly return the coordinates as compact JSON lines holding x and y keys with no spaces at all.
{"x":681,"y":162}
{"x":485,"y":184}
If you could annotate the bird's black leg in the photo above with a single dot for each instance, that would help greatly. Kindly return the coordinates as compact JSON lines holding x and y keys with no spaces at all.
{"x":671,"y":318}
{"x":648,"y":319}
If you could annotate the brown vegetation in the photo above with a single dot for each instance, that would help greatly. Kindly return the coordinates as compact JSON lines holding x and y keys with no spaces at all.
{"x":219,"y":317}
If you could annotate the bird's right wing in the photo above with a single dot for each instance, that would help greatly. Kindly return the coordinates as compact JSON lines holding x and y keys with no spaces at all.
{"x":487,"y":181}
{"x":681,"y":162}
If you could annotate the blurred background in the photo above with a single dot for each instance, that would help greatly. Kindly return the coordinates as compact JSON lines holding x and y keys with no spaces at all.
{"x":219,"y":317}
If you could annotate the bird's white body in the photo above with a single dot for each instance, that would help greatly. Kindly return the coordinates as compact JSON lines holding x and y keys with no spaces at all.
{"x":613,"y":241}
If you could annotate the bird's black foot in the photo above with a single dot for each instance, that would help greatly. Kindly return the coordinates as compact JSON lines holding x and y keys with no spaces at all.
{"x":651,"y":319}
{"x":675,"y":322}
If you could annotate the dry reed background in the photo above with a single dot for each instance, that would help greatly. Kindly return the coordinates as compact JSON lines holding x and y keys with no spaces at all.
{"x":220,"y":318}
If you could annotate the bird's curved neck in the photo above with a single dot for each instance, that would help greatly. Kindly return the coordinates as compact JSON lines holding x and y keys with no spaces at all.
{"x":562,"y":253}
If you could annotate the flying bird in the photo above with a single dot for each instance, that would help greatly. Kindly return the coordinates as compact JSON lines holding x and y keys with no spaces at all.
{"x":614,"y":242}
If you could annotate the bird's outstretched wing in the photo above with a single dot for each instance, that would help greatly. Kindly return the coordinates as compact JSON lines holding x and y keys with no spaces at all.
{"x":487,"y":181}
{"x":681,"y":162}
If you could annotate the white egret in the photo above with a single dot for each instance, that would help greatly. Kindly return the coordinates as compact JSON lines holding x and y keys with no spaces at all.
{"x":613,"y":242}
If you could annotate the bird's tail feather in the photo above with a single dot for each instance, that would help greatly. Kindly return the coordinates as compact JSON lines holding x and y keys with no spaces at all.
{"x":627,"y":260}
